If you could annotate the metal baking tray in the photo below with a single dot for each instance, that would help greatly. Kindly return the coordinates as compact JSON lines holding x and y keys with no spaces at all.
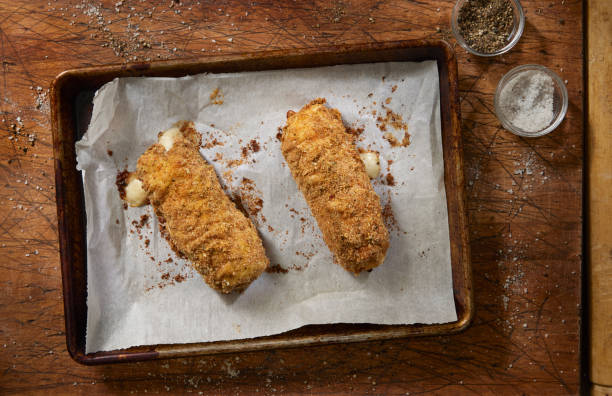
{"x":71,"y":105}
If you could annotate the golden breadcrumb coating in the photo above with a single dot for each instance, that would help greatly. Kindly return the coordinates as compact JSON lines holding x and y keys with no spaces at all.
{"x":202,"y":223}
{"x":326,"y":166}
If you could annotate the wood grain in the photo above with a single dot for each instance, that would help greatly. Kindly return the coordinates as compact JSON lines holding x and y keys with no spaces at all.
{"x":598,"y":390}
{"x":599,"y":147}
{"x":524,"y":199}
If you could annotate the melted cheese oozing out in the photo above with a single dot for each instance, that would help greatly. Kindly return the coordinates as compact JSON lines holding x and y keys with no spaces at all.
{"x":168,"y":137}
{"x":135,"y":195}
{"x":372,"y":164}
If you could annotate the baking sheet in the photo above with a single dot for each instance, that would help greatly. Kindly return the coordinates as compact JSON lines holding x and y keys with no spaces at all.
{"x":140,"y":293}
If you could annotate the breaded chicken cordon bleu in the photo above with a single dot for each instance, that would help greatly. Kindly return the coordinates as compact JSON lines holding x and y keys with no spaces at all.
{"x":200,"y":221}
{"x":329,"y":172}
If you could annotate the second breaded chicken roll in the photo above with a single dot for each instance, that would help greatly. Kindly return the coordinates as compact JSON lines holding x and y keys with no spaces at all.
{"x":202,"y":223}
{"x":325,"y":164}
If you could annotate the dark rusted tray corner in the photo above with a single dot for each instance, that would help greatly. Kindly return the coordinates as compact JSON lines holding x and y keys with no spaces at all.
{"x":71,"y":94}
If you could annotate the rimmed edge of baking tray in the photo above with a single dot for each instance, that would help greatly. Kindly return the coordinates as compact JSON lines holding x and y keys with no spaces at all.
{"x":65,"y":91}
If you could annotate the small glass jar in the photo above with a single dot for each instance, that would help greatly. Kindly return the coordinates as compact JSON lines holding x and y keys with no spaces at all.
{"x":559,"y":96}
{"x":513,"y":38}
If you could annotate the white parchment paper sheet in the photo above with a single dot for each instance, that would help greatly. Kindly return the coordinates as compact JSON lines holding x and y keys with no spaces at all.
{"x":132,"y":298}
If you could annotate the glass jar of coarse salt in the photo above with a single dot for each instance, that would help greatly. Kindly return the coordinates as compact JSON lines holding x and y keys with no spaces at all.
{"x":530,"y":100}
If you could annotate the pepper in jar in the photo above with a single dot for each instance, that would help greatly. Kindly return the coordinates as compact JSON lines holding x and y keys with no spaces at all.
{"x":486,"y":24}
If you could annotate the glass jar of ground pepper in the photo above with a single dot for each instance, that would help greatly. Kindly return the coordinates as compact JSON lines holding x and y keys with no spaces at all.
{"x":487,"y":27}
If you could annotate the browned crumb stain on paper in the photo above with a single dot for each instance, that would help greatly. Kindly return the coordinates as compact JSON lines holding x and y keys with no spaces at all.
{"x":251,"y":147}
{"x":254,"y":145}
{"x":216,"y":97}
{"x":388,"y":136}
{"x":228,"y":176}
{"x":307,"y":256}
{"x":211,"y":143}
{"x":251,"y":196}
{"x":276,"y":269}
{"x":406,"y":140}
{"x":170,"y":272}
{"x":235,"y":162}
{"x":388,"y":216}
{"x":121,"y":182}
{"x":355,"y":131}
{"x":237,"y":200}
{"x":390,"y":179}
{"x":391,"y":118}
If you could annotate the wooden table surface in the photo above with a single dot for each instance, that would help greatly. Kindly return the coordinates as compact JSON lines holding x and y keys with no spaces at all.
{"x":525,"y":202}
{"x":599,"y":194}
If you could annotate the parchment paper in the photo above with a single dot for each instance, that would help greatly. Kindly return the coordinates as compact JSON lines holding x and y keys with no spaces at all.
{"x":140,"y":293}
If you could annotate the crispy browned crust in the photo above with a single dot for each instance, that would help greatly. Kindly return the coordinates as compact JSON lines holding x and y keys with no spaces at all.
{"x":201,"y":221}
{"x":326,"y":166}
